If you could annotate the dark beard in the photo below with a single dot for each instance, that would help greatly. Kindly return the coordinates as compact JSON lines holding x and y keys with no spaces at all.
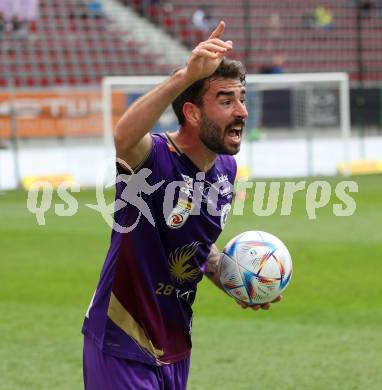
{"x":212,"y":136}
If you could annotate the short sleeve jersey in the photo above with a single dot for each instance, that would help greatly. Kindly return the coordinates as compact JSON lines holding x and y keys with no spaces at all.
{"x":141,"y":309}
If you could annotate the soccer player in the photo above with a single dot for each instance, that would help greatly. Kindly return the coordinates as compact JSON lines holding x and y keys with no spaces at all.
{"x":137,"y":328}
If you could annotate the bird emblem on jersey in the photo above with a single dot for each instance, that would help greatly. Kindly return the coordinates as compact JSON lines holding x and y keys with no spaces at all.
{"x":180,"y":269}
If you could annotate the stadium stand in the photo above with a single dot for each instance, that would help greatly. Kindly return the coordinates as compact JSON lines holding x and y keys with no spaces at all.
{"x":78,"y":42}
{"x":265,"y":29}
{"x":55,"y":53}
{"x":73,"y":42}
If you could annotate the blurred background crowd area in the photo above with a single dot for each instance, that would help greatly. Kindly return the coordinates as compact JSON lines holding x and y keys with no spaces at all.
{"x":55,"y":54}
{"x":56,"y":42}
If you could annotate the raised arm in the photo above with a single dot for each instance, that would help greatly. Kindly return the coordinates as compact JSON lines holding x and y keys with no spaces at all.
{"x":131,"y":135}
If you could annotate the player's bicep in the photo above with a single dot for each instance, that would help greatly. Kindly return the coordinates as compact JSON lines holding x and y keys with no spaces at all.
{"x":135,"y":155}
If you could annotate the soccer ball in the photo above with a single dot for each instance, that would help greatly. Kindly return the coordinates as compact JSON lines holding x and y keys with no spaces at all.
{"x":255,"y":267}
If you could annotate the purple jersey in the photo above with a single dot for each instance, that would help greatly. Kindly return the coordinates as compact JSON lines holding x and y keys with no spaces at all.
{"x":141,"y":309}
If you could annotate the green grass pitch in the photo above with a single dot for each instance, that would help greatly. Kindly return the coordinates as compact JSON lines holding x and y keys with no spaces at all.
{"x":325,"y":334}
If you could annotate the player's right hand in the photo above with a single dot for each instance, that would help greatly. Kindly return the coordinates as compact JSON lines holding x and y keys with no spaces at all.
{"x":207,"y":55}
{"x":264,"y":306}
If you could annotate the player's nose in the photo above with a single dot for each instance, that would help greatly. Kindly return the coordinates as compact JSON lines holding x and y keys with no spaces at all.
{"x":241,"y":111}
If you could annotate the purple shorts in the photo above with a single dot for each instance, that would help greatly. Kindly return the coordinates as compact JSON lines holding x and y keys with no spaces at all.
{"x":107,"y":372}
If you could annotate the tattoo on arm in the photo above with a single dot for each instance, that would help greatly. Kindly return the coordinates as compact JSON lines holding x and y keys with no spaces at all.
{"x":212,"y":265}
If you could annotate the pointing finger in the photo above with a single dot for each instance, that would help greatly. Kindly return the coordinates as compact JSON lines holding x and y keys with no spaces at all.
{"x":218,"y":30}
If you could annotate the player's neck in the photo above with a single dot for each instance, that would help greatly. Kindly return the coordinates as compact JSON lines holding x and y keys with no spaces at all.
{"x":189,"y":143}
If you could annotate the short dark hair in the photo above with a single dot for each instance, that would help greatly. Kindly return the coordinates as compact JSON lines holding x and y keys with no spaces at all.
{"x":228,"y":69}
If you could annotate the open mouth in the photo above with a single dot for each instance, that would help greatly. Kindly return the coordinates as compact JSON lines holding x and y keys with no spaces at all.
{"x":234,"y":133}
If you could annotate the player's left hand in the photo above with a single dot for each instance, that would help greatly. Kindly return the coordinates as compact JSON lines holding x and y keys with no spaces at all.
{"x":264,"y":306}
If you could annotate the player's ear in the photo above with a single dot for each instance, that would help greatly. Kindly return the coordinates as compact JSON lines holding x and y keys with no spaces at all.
{"x":192,"y":113}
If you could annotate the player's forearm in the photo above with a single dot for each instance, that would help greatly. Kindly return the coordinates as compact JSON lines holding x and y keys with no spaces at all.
{"x":141,"y":117}
{"x":212,"y":266}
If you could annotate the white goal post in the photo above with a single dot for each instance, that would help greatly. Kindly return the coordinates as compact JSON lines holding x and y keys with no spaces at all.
{"x":298,"y":116}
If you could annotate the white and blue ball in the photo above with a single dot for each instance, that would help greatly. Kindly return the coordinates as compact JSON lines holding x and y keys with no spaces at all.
{"x":255,"y":267}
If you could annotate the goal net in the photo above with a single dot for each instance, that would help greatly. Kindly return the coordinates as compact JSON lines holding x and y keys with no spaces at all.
{"x":298,"y":124}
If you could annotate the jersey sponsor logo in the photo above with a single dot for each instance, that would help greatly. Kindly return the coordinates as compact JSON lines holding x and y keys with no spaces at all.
{"x":222,"y":178}
{"x":226,"y":190}
{"x":189,"y":185}
{"x":188,"y":295}
{"x":183,"y":208}
{"x":225,"y":186}
{"x":179,"y":214}
{"x":222,"y":186}
{"x":175,"y":221}
{"x":189,"y":181}
{"x":180,"y":268}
